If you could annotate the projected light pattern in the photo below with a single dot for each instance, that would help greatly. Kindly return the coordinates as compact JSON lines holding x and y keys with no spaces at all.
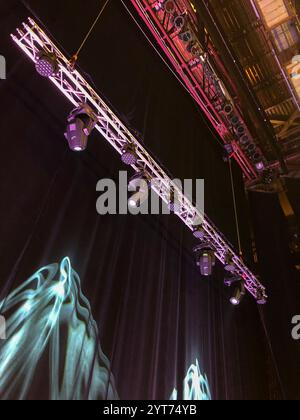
{"x":195,"y":386}
{"x":48,"y":314}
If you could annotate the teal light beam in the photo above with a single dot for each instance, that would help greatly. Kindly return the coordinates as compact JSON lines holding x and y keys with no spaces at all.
{"x":50,"y":313}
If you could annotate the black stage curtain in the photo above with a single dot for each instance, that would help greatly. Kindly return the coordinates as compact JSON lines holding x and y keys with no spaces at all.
{"x":282,"y":280}
{"x":155,"y":314}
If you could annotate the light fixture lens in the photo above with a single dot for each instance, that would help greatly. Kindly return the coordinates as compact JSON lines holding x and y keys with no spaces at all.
{"x":46,"y":65}
{"x":132,"y":203}
{"x":234,"y":301}
{"x":129,"y":158}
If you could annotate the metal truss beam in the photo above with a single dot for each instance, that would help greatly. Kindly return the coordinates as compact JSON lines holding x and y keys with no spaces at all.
{"x":32,"y":39}
{"x":197,"y":74}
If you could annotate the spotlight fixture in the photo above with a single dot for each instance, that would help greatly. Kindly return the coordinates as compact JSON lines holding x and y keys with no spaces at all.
{"x":129,"y":156}
{"x":205,"y":259}
{"x":261,"y":298}
{"x":239,"y":294}
{"x":179,"y":21}
{"x":240,"y":130}
{"x":186,"y":36}
{"x":229,"y":264}
{"x":199,"y":233}
{"x":228,"y":152}
{"x":196,"y":49}
{"x":229,"y":281}
{"x":139,"y":183}
{"x":244,"y":140}
{"x":169,"y":6}
{"x":260,"y":166}
{"x":256,"y":157}
{"x":46,"y":64}
{"x":235,"y":120}
{"x":228,"y":109}
{"x":251,"y":148}
{"x":81,"y":123}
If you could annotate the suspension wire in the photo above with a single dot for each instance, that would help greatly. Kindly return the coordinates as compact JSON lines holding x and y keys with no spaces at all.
{"x":269,"y":344}
{"x":75,"y":56}
{"x":235,"y":209}
{"x":214,"y":134}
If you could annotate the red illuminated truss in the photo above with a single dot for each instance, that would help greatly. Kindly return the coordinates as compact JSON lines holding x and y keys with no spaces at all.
{"x":192,"y":65}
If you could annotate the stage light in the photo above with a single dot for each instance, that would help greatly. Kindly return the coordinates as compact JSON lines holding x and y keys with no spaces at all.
{"x":46,"y":64}
{"x":179,"y":22}
{"x":240,"y":130}
{"x":229,"y":264}
{"x":239,"y":294}
{"x":251,"y":148}
{"x":206,"y":263}
{"x":228,"y":109}
{"x":196,"y":49}
{"x":81,"y":123}
{"x":186,"y":36}
{"x":260,"y":166}
{"x":139,"y":183}
{"x":129,"y":156}
{"x":205,"y":259}
{"x":229,"y":281}
{"x":169,"y":6}
{"x":199,"y":233}
{"x":235,"y":120}
{"x":244,"y":140}
{"x":261,"y":299}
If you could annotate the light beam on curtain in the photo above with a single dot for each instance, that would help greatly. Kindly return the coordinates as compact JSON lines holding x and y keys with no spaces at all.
{"x":49,"y":313}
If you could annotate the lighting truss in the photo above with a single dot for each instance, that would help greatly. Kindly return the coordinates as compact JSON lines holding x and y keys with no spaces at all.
{"x":31,"y":39}
{"x":196,"y":74}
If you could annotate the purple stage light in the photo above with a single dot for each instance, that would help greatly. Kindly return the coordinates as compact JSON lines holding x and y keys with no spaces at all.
{"x":260,"y":166}
{"x":46,"y":64}
{"x":129,"y":156}
{"x":199,"y":233}
{"x":234,"y":301}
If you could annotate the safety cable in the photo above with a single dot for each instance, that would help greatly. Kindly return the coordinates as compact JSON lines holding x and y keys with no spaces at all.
{"x":75,"y":56}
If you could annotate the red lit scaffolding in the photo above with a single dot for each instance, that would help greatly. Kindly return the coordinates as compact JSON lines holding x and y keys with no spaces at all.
{"x":175,"y":27}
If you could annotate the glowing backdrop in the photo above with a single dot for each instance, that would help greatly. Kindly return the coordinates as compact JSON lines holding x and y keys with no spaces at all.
{"x":49,"y":313}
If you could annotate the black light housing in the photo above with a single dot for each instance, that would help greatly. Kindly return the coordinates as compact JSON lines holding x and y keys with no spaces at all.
{"x":205,"y":259}
{"x":81,"y":123}
{"x":239,"y":294}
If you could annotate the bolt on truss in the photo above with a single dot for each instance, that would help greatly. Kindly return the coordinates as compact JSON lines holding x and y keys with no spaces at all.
{"x":32,"y":39}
